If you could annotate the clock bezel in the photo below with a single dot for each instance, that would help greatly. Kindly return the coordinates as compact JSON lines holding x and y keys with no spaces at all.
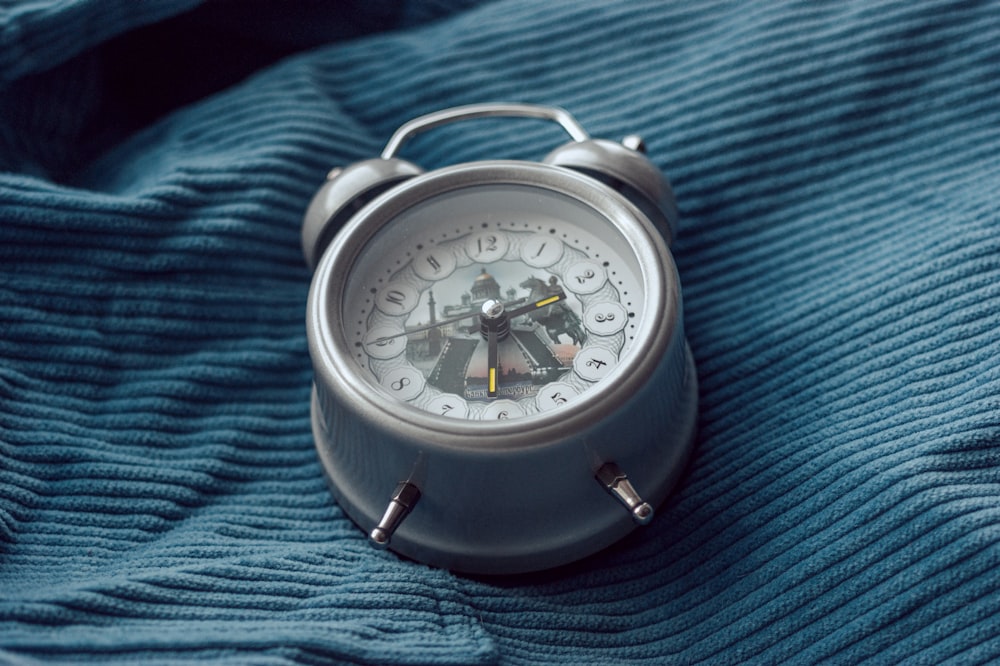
{"x":338,"y":373}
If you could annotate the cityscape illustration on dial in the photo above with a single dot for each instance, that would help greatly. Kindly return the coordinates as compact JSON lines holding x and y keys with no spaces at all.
{"x":493,"y":321}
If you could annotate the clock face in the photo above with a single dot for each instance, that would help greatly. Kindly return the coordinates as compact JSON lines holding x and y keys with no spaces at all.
{"x":492,"y":302}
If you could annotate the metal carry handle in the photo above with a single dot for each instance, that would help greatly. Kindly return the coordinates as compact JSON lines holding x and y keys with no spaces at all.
{"x":413,"y":127}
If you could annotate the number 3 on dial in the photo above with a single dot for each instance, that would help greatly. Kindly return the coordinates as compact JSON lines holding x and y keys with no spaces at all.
{"x":605,"y":318}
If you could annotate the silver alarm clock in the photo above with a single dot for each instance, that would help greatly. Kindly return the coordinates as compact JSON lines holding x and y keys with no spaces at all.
{"x":502,"y":382}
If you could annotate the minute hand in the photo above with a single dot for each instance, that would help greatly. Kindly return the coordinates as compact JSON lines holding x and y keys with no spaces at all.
{"x":420,"y":329}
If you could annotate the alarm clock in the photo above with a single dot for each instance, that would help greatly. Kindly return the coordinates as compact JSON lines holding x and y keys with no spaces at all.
{"x":501,"y":378}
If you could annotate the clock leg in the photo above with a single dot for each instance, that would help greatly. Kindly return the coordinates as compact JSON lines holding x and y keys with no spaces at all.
{"x":614,"y":480}
{"x":402,"y":502}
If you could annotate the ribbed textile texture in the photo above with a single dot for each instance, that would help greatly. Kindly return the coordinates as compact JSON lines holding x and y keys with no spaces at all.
{"x":837,"y":167}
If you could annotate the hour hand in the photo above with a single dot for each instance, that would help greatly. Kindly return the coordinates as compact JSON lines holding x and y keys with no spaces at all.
{"x":534,"y":305}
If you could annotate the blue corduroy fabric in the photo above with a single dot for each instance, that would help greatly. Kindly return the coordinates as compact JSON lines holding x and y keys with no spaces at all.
{"x":837,"y":166}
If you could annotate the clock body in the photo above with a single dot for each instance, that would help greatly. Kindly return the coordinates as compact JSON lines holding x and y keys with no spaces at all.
{"x":498,"y":347}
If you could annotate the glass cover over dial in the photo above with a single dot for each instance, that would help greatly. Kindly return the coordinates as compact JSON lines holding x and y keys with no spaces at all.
{"x":493,"y":301}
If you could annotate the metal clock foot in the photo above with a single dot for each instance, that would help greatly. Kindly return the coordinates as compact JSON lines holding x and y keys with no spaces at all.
{"x":400,"y":505}
{"x":616,"y":482}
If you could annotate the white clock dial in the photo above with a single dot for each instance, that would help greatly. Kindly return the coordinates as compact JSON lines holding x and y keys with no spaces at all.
{"x":566,"y":280}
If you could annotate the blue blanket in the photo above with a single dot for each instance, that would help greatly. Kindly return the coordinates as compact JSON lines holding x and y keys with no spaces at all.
{"x":837,"y":167}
